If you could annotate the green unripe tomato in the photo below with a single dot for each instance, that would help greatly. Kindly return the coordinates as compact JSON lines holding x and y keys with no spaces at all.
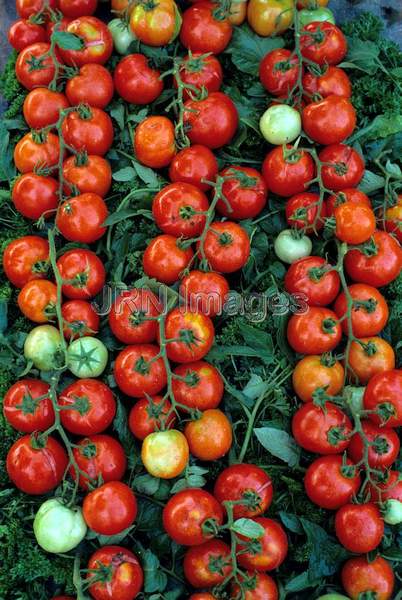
{"x":58,"y":528}
{"x":43,"y":347}
{"x":307,"y":16}
{"x":280,"y":124}
{"x":121,"y":34}
{"x":87,"y":357}
{"x":289,"y":247}
{"x":392,"y":513}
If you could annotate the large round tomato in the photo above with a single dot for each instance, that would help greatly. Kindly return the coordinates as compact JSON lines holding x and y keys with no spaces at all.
{"x":93,"y":85}
{"x":245,"y":193}
{"x":77,"y":8}
{"x":248,"y":483}
{"x":315,"y":278}
{"x":26,"y":258}
{"x":27,"y":406}
{"x":135,"y":81}
{"x":331,"y":482}
{"x":37,"y":300}
{"x":165,"y":258}
{"x":42,"y":107}
{"x":359,"y":527}
{"x":80,"y":219}
{"x":304,"y":211}
{"x":88,"y":407}
{"x":211,"y":122}
{"x":314,"y":373}
{"x":359,"y":576}
{"x":132,"y":316}
{"x":197,"y":385}
{"x":186,"y":513}
{"x":155,"y":23}
{"x":198,"y":562}
{"x":315,"y":331}
{"x":210,"y":436}
{"x":88,"y":129}
{"x":226,"y":246}
{"x":179,"y":209}
{"x":323,"y":43}
{"x":124,"y":575}
{"x":393,"y":219}
{"x":149,"y":415}
{"x":383,"y":396}
{"x":330,"y":120}
{"x":383,"y":449}
{"x":87,"y":174}
{"x":332,"y":81}
{"x":199,"y":72}
{"x":195,"y":165}
{"x":258,"y":586}
{"x":83,"y":271}
{"x":377,"y":262}
{"x":79,"y":318}
{"x":203,"y":29}
{"x":346,"y":167}
{"x":154,"y":142}
{"x":368,"y":356}
{"x":98,"y":456}
{"x":139,"y":370}
{"x":35,"y":55}
{"x":36,"y":464}
{"x":23,"y":33}
{"x":165,"y":454}
{"x":274,"y":548}
{"x":270,"y":17}
{"x":355,"y":223}
{"x":96,"y":40}
{"x":36,"y":149}
{"x":35,"y":196}
{"x":351,"y":195}
{"x":287,"y":171}
{"x":110,"y":509}
{"x":321,"y":429}
{"x":278,"y":71}
{"x":369,"y":313}
{"x":189,"y":335}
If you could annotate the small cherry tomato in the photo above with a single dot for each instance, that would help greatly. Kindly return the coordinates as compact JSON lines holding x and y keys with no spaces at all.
{"x":245,"y":192}
{"x":197,"y":385}
{"x":88,"y":129}
{"x":165,"y":453}
{"x":125,"y":575}
{"x":369,"y":356}
{"x":274,"y":548}
{"x":383,"y":396}
{"x":42,"y":107}
{"x":359,"y":576}
{"x":154,"y":142}
{"x":179,"y":209}
{"x":96,"y":40}
{"x":83,"y":271}
{"x":208,"y":564}
{"x":278,"y":71}
{"x":23,"y":33}
{"x":88,"y":174}
{"x":226,"y":246}
{"x":211,"y":122}
{"x":165,"y":258}
{"x":139,"y":370}
{"x":287,"y":171}
{"x":210,"y":436}
{"x":346,"y":167}
{"x":35,"y":196}
{"x":314,"y":373}
{"x":110,"y":509}
{"x":377,"y":262}
{"x":304,"y":211}
{"x":34,"y":66}
{"x":331,"y":81}
{"x":383,"y":447}
{"x":314,"y":332}
{"x":315,"y":278}
{"x":355,"y":223}
{"x":204,"y":292}
{"x":27,"y":406}
{"x":155,"y":24}
{"x":149,"y":415}
{"x":321,"y":429}
{"x":331,"y":482}
{"x":204,"y":30}
{"x":92,"y":85}
{"x":359,"y":527}
{"x":369,"y":313}
{"x":189,"y":335}
{"x":80,"y":219}
{"x":200,"y":72}
{"x":98,"y":456}
{"x":330,"y":120}
{"x":88,"y":407}
{"x":245,"y":482}
{"x":323,"y":43}
{"x":79,"y":318}
{"x":194,"y":165}
{"x":36,"y":149}
{"x":37,"y":300}
{"x":135,"y":81}
{"x":132,"y":316}
{"x":351,"y":195}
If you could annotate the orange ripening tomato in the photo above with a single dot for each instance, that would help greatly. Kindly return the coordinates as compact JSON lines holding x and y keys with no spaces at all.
{"x":192,"y":334}
{"x":393,"y":219}
{"x":26,"y":258}
{"x":369,"y":356}
{"x":36,"y":149}
{"x":210,"y":436}
{"x":37,"y":300}
{"x":154,"y":142}
{"x":316,"y":372}
{"x":355,"y":223}
{"x":155,"y":23}
{"x":270,"y":17}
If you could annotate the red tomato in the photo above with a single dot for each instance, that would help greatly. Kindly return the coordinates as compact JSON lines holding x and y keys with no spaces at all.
{"x":194,"y":165}
{"x":314,"y":332}
{"x":36,"y":149}
{"x":391,"y":488}
{"x":88,"y":407}
{"x":383,"y":449}
{"x":80,"y":219}
{"x":80,"y":319}
{"x":34,"y":195}
{"x":369,"y":356}
{"x":202,"y":596}
{"x":245,"y":482}
{"x":27,"y":8}
{"x":330,"y":482}
{"x":346,"y":169}
{"x":274,"y":548}
{"x":138,"y":370}
{"x":332,"y":81}
{"x":131,"y":317}
{"x":203,"y":30}
{"x":245,"y":192}
{"x":88,"y":128}
{"x":355,"y":223}
{"x":226,"y":246}
{"x":377,"y":263}
{"x":287,"y":171}
{"x":89,"y":174}
{"x":125,"y":577}
{"x":278,"y":71}
{"x":24,"y":33}
{"x":330,"y":120}
{"x":27,"y":407}
{"x":314,"y":373}
{"x":98,"y":456}
{"x":26,"y":258}
{"x":323,"y":430}
{"x":369,"y":313}
{"x":359,"y":527}
{"x":197,"y":385}
{"x":198,"y":560}
{"x":313,"y":277}
{"x":323,"y":43}
{"x":135,"y":81}
{"x":44,"y":71}
{"x":92,"y":85}
{"x":359,"y":576}
{"x":84,"y":270}
{"x":303,"y":211}
{"x":96,"y":39}
{"x":351,"y":195}
{"x":149,"y":415}
{"x":77,"y":8}
{"x":110,"y":509}
{"x":36,"y":464}
{"x":185,"y":514}
{"x":176,"y":210}
{"x":384,"y":394}
{"x":393,"y":219}
{"x":199,"y":72}
{"x":259,"y":586}
{"x":37,"y":300}
{"x":190,"y":335}
{"x":210,"y":436}
{"x":42,"y":107}
{"x":211,"y":122}
{"x":204,"y":292}
{"x":154,"y":142}
{"x":165,"y":258}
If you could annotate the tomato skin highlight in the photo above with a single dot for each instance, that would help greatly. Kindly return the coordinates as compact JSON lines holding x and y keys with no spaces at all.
{"x":175,"y":210}
{"x":93,"y":85}
{"x":42,"y":107}
{"x":237,"y":481}
{"x":327,"y":486}
{"x":34,"y":150}
{"x":86,"y":272}
{"x":127,"y":576}
{"x":147,"y":417}
{"x":200,"y":72}
{"x":246,"y":193}
{"x":154,"y":142}
{"x":110,"y":509}
{"x":265,"y":588}
{"x":37,"y":300}
{"x":369,"y":313}
{"x":88,"y":129}
{"x":347,"y":167}
{"x":193,"y":165}
{"x":89,"y":174}
{"x":88,"y":405}
{"x":194,"y":333}
{"x":387,"y":441}
{"x":351,"y":195}
{"x":226,"y":246}
{"x":98,"y":455}
{"x":278,"y":71}
{"x":33,"y":78}
{"x":270,"y":17}
{"x":155,"y":24}
{"x":80,"y":219}
{"x":329,"y":48}
{"x":333,"y":81}
{"x":355,"y":223}
{"x":77,"y":8}
{"x":23,"y":409}
{"x":359,"y":576}
{"x":313,"y":425}
{"x":381,"y":266}
{"x":304,"y":211}
{"x":204,"y":292}
{"x":393,"y":218}
{"x":212,"y":122}
{"x":165,"y":260}
{"x":80,"y":319}
{"x":384,"y":390}
{"x":165,"y":454}
{"x":23,"y":33}
{"x":375,"y":356}
{"x":129,"y":313}
{"x":97,"y":42}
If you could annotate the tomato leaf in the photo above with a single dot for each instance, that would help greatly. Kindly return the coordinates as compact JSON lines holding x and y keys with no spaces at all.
{"x":67,"y":41}
{"x":363,"y":55}
{"x":146,"y":174}
{"x":248,"y":528}
{"x":247,"y":49}
{"x":146,"y":484}
{"x":291,"y":522}
{"x":371,"y":182}
{"x":279,"y":443}
{"x":155,"y":579}
{"x":326,"y":555}
{"x":124,"y":174}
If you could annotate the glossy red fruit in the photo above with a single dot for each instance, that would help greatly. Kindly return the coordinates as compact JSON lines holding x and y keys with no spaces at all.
{"x":287,"y":171}
{"x":26,"y":258}
{"x":331,"y":482}
{"x":191,"y":335}
{"x":92,"y":85}
{"x":165,"y":258}
{"x":179,"y":209}
{"x":211,"y":122}
{"x":203,"y":30}
{"x":85,"y":272}
{"x":98,"y":456}
{"x":150,"y":414}
{"x":377,"y":262}
{"x":80,"y":319}
{"x":27,"y":406}
{"x":322,"y":430}
{"x":226,"y":246}
{"x":194,"y":165}
{"x":135,"y":81}
{"x":369,"y":313}
{"x":198,"y":560}
{"x":278,"y":71}
{"x":245,"y":192}
{"x":42,"y":107}
{"x":204,"y":292}
{"x":313,"y":277}
{"x":88,"y":407}
{"x":80,"y":219}
{"x":361,"y":576}
{"x":383,"y":449}
{"x":132,"y":316}
{"x":359,"y":527}
{"x":110,"y":509}
{"x":139,"y":370}
{"x":125,"y":574}
{"x":35,"y":196}
{"x":346,"y":167}
{"x":304,"y":211}
{"x":23,"y":33}
{"x":197,"y":385}
{"x":330,"y":120}
{"x":245,"y":482}
{"x":383,"y":396}
{"x":274,"y":547}
{"x":315,"y":331}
